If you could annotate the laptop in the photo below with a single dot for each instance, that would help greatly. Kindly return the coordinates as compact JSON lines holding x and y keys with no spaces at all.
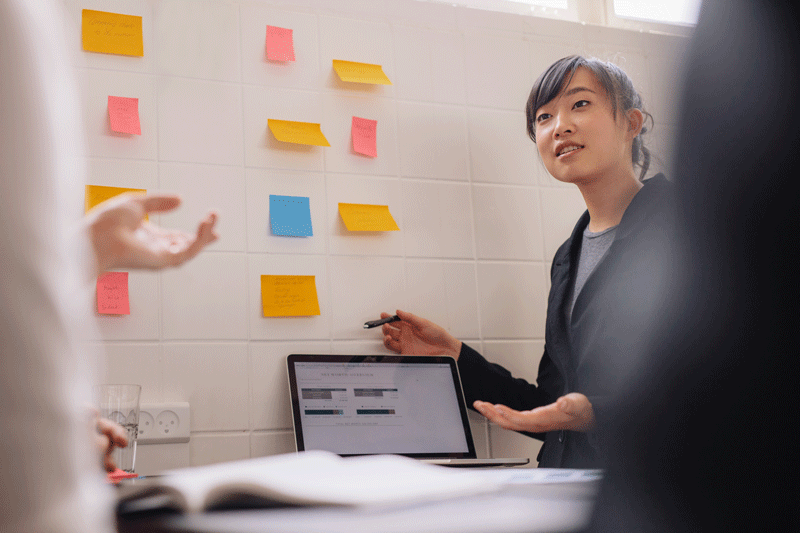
{"x":383,"y":404}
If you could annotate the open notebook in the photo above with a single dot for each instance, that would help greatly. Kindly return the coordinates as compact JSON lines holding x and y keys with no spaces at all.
{"x":381,"y":404}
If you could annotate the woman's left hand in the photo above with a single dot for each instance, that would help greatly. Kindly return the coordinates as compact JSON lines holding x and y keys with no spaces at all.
{"x":572,"y":411}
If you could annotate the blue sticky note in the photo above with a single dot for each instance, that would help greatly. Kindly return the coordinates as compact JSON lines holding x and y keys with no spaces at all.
{"x":290,"y":216}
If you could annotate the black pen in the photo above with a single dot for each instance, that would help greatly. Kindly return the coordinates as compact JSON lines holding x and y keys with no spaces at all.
{"x":382,"y":321}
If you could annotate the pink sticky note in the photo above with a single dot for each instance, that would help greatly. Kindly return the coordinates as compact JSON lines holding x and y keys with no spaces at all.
{"x":280,"y":45}
{"x":112,"y":294}
{"x":364,"y":133}
{"x":124,"y":114}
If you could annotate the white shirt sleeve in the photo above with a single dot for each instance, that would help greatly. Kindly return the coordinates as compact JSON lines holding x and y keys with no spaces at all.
{"x":51,"y":476}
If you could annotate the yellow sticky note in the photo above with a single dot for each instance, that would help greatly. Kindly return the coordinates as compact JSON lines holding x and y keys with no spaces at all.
{"x":97,"y":194}
{"x":289,"y":131}
{"x":112,"y":33}
{"x":360,"y":72}
{"x":364,"y":217}
{"x":289,"y":296}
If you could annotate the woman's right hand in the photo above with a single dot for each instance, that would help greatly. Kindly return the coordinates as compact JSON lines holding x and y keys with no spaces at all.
{"x":413,"y":335}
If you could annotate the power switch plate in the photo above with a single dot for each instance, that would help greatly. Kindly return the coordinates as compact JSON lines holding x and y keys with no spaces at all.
{"x":163,"y":423}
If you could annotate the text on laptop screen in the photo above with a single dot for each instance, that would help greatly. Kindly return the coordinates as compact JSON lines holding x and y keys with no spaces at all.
{"x":366,"y":408}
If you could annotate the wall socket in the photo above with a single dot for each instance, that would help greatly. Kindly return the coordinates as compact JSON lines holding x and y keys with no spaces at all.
{"x":163,"y":423}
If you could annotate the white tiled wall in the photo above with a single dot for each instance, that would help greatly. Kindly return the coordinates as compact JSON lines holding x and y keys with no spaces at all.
{"x":480,"y":218}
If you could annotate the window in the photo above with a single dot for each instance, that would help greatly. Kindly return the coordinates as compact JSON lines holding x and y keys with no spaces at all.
{"x":673,"y":12}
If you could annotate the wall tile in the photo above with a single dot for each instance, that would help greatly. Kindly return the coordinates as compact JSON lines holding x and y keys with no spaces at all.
{"x":303,"y":327}
{"x":521,"y":358}
{"x":302,"y":73}
{"x":362,"y":287}
{"x":430,"y":65}
{"x":363,"y":190}
{"x":361,"y":41}
{"x":561,"y":209}
{"x":444,"y":293}
{"x":143,"y":321}
{"x":213,"y":378}
{"x":262,"y":149}
{"x":131,"y":174}
{"x":260,"y":185}
{"x":497,"y":73}
{"x":272,"y":443}
{"x":339,"y":110}
{"x":507,"y":222}
{"x":206,"y":298}
{"x":138,"y":363}
{"x":192,"y":131}
{"x":270,"y":406}
{"x":433,"y":141}
{"x":203,"y":188}
{"x":95,"y":87}
{"x":507,"y":443}
{"x":512,"y":300}
{"x":437,"y":219}
{"x":500,"y":150}
{"x":197,"y":39}
{"x":209,"y":449}
{"x":152,"y":459}
{"x":94,"y":60}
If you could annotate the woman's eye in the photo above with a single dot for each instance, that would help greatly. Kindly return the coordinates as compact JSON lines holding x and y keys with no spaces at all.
{"x":581,"y":103}
{"x":542,"y":117}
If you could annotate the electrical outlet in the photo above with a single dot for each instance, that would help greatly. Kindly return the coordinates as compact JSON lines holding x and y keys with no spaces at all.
{"x":163,"y":423}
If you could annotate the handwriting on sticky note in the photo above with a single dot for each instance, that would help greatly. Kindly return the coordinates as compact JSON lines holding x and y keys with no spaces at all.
{"x":360,"y":72}
{"x":364,"y":134}
{"x":123,"y":113}
{"x":280,"y":44}
{"x":97,"y":194}
{"x":365,"y":217}
{"x":289,"y":296}
{"x":112,"y":33}
{"x":112,"y":294}
{"x":297,"y":132}
{"x":290,"y":216}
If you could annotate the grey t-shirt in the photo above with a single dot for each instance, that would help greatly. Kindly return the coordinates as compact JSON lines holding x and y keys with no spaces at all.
{"x":593,"y":248}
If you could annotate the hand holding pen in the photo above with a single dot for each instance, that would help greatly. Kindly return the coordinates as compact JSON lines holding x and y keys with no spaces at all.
{"x":415,"y":335}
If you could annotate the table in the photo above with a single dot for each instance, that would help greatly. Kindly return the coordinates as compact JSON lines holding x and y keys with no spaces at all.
{"x":552,"y":508}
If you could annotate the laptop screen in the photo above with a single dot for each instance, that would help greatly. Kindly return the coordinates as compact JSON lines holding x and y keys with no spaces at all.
{"x":355,"y":405}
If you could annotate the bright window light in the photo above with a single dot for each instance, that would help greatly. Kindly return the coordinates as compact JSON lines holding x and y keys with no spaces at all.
{"x":669,"y":12}
{"x":553,"y":4}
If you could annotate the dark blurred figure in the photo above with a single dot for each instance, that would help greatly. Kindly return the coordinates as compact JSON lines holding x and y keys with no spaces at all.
{"x":706,"y":438}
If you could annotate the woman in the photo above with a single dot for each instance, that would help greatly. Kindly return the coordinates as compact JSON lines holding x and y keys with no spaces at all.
{"x":606,"y":280}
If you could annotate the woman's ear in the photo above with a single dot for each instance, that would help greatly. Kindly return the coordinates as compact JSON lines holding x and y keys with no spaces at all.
{"x":635,"y":119}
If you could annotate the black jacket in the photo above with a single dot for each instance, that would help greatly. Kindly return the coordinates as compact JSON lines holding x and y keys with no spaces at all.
{"x":592,"y":352}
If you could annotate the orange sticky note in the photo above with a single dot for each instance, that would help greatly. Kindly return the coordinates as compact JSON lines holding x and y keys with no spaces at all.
{"x":297,"y":132}
{"x":280,"y":44}
{"x":364,"y":133}
{"x":124,"y":114}
{"x":112,"y":33}
{"x":112,"y":294}
{"x":289,"y":296}
{"x":97,"y":194}
{"x":364,"y":217}
{"x":360,"y":72}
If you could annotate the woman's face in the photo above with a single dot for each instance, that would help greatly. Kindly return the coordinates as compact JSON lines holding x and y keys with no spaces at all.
{"x":578,"y":138}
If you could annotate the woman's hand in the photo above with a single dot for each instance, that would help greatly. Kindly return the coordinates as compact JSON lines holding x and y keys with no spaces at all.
{"x":572,"y":412}
{"x":413,"y":335}
{"x":110,"y":435}
{"x":123,"y":239}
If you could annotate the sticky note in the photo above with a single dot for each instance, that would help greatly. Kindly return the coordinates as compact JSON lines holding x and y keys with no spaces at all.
{"x":364,"y":133}
{"x":280,"y":44}
{"x":97,"y":194}
{"x":290,"y":216}
{"x":297,"y":132}
{"x":112,"y":294}
{"x":360,"y":72}
{"x":124,"y":114}
{"x":112,"y":33}
{"x":364,"y":217}
{"x":289,"y":296}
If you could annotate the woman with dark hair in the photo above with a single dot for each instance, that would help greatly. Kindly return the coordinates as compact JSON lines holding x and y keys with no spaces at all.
{"x":607,"y":279}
